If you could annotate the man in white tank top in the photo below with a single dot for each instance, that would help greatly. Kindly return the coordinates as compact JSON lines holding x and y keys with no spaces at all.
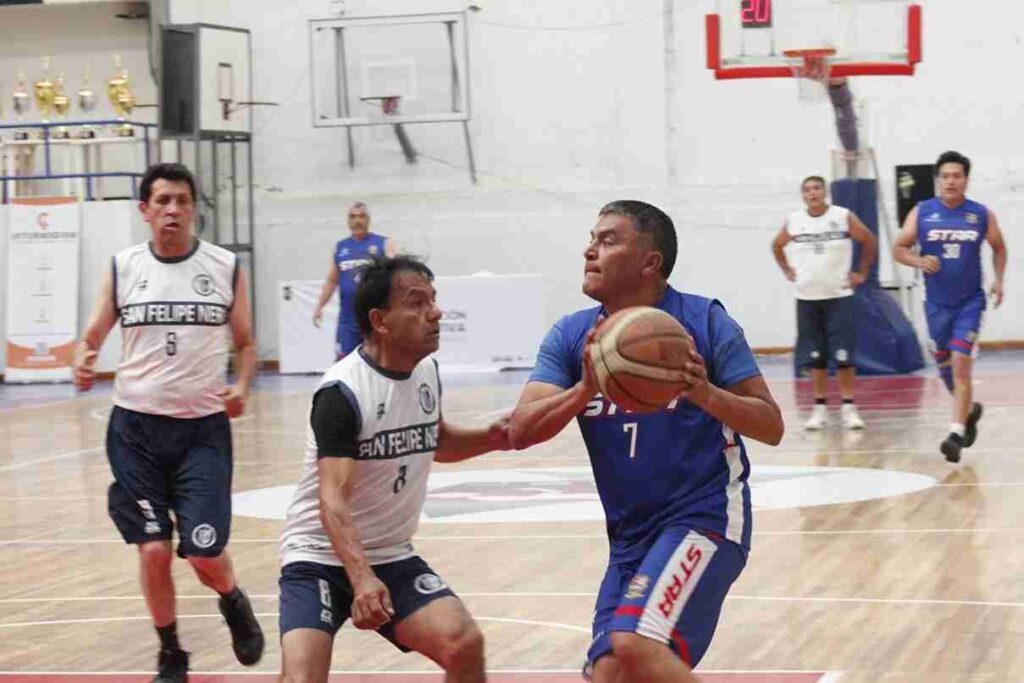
{"x":180,"y":302}
{"x":822,"y":238}
{"x":375,"y":428}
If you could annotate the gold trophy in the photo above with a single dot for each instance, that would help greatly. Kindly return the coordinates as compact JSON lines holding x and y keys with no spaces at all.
{"x":121,"y":98}
{"x":45,"y":92}
{"x":21,"y":104}
{"x":86,"y":102}
{"x":61,"y":104}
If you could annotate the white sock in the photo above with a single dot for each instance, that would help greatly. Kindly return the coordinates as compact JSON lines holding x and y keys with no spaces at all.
{"x":957,"y":428}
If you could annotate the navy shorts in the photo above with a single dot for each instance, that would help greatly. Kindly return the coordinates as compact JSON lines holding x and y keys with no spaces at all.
{"x":346,"y":338}
{"x":674,"y":595}
{"x":828,"y":330}
{"x":955,"y":328}
{"x":319,"y":596}
{"x":162,"y":464}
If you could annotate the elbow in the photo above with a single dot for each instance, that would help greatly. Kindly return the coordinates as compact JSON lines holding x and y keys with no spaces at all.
{"x":778,"y":429}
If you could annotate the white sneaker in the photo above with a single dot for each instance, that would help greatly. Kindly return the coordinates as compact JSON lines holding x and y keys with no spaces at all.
{"x":818,"y":419}
{"x":851,"y":418}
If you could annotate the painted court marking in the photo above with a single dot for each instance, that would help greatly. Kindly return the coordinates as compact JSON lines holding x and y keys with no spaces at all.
{"x":524,"y":676}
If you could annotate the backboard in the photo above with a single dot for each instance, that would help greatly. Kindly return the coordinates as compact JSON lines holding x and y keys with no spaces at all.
{"x":358,"y":63}
{"x":749,"y":38}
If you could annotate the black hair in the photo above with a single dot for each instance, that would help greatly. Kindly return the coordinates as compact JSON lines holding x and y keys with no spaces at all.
{"x":375,"y":283}
{"x":952,"y":157}
{"x":816,"y":178}
{"x":172,"y":172}
{"x":649,"y":220}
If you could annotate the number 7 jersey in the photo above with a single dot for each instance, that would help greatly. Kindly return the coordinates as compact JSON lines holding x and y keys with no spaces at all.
{"x":175,"y":339}
{"x":954,"y":236}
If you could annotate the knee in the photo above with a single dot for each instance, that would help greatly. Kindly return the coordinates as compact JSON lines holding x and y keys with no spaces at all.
{"x":155,"y":555}
{"x":629,"y":649}
{"x":463,"y":650}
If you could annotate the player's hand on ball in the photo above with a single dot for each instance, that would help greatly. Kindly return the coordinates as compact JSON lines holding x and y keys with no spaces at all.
{"x":85,"y":370}
{"x":930,"y":264}
{"x":234,"y":400}
{"x":696,"y":378}
{"x":371,"y":606}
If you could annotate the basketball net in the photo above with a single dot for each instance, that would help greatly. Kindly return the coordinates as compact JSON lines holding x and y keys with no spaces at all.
{"x":811,"y":69}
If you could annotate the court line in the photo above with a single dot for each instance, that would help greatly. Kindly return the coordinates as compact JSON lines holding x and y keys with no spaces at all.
{"x":103,"y":620}
{"x":38,"y":461}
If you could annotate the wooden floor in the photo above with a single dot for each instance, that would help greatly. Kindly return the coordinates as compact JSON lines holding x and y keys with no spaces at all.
{"x":874,"y":559}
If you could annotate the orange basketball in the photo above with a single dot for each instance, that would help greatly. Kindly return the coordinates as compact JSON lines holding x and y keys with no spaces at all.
{"x":638,"y":356}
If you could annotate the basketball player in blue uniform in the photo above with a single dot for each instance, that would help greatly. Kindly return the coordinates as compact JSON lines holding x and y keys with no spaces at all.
{"x":948,"y":232}
{"x":181,"y":302}
{"x":673,"y":483}
{"x":350,"y":254}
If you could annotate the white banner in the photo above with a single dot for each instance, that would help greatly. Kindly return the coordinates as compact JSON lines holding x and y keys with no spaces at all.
{"x":490,"y":322}
{"x":42,"y":288}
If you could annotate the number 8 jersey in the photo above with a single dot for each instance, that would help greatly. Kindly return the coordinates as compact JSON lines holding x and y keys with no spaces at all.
{"x":175,"y":340}
{"x":954,"y":236}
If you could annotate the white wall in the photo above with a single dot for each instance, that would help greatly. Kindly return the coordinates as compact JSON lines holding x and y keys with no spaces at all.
{"x":569,"y":111}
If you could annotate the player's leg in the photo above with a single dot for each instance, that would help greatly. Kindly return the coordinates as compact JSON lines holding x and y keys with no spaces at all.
{"x":601,"y":665}
{"x":202,"y":504}
{"x":811,"y":327}
{"x":965,"y":327}
{"x":431,"y":620}
{"x":138,"y":504}
{"x":841,"y":328}
{"x":668,"y":614}
{"x":940,"y":330}
{"x":315,"y":602}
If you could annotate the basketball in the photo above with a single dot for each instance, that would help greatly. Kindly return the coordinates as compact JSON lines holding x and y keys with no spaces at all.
{"x":638,"y":356}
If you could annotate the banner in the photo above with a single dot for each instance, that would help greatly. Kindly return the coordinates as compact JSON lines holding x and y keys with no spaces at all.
{"x":489,"y":322}
{"x":42,"y":288}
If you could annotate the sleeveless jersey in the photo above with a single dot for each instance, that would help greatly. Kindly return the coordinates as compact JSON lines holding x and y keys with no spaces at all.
{"x":822,"y":253}
{"x":676,"y":466}
{"x":175,"y":338}
{"x":399,"y":419}
{"x":954,"y":236}
{"x":350,"y":255}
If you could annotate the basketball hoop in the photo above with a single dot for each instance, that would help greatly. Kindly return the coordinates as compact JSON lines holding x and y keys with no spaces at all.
{"x":811,"y":68}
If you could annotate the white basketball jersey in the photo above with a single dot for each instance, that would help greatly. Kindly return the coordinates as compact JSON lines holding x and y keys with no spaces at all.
{"x":399,"y":418}
{"x":821,"y":253}
{"x":174,"y":315}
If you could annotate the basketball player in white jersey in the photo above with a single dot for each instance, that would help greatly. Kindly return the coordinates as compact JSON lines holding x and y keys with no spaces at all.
{"x":375,"y":428}
{"x":822,"y":251}
{"x":181,"y":302}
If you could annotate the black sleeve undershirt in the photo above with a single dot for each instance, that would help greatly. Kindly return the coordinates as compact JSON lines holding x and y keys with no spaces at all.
{"x":335,"y":424}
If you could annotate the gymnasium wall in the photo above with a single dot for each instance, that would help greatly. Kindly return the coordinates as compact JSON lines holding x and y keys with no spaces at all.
{"x":575,"y":104}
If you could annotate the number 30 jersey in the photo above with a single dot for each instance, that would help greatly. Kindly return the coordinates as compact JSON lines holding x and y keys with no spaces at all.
{"x":175,"y":338}
{"x":388,"y":423}
{"x":954,"y":236}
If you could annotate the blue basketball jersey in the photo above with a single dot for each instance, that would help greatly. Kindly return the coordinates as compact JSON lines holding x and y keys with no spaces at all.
{"x":675,"y":466}
{"x":955,"y":237}
{"x":350,"y":255}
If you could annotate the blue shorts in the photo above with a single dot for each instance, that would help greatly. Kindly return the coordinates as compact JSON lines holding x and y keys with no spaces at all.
{"x":319,"y":596}
{"x":346,"y":339}
{"x":673,"y":596}
{"x":165,"y":463}
{"x":955,"y":328}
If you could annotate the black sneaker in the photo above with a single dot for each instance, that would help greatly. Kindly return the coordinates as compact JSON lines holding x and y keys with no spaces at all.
{"x":246,"y":634}
{"x":172,"y":667}
{"x":971,"y":428}
{"x":951,"y":447}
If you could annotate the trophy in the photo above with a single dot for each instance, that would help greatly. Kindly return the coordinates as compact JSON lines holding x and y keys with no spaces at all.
{"x":61,"y":104}
{"x":21,"y":104}
{"x":45,"y":91}
{"x":121,"y":98}
{"x":86,"y":102}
